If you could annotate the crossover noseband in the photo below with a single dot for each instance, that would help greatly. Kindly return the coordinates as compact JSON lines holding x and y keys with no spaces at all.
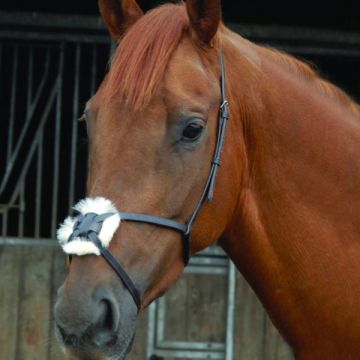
{"x":88,"y":225}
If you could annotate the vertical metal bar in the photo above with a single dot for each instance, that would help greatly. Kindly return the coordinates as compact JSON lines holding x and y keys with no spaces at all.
{"x":22,"y":204}
{"x":39,"y":185}
{"x":230,"y":312}
{"x":29,"y":156}
{"x":21,"y":209}
{"x":0,"y":58}
{"x":93,"y":69}
{"x":5,"y":222}
{"x":1,"y":69}
{"x":113,"y":45}
{"x":1,"y":48}
{"x":30,"y":80}
{"x":161,"y":315}
{"x":151,"y":330}
{"x":12,"y":105}
{"x":56,"y":169}
{"x":26,"y":125}
{"x":74,"y":130}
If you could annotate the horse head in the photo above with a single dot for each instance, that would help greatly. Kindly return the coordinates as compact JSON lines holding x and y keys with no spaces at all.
{"x":153,"y":130}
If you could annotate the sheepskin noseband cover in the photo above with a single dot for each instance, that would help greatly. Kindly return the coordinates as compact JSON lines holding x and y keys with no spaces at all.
{"x":93,"y":210}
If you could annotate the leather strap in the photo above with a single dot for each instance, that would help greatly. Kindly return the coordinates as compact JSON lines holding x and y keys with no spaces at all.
{"x":119,"y":269}
{"x":89,"y":226}
{"x":155,"y":220}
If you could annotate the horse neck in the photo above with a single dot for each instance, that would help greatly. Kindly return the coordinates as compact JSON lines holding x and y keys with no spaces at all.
{"x":295,"y":235}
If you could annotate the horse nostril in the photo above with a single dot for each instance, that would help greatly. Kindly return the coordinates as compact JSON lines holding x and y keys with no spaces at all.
{"x":104,"y":330}
{"x":108,"y":321}
{"x":93,"y":324}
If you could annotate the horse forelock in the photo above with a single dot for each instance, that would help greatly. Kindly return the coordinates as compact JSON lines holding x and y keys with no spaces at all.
{"x":140,"y":60}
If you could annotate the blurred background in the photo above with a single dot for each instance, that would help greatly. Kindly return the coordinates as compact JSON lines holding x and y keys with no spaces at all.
{"x":338,"y":14}
{"x":52,"y":57}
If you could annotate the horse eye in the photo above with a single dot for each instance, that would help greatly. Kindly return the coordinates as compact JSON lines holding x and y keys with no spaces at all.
{"x":192,"y":132}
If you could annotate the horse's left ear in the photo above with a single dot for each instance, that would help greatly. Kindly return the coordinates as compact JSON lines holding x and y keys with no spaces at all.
{"x":119,"y":15}
{"x":204,"y":17}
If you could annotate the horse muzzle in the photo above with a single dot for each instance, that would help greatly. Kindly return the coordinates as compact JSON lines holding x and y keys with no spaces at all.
{"x":94,"y":325}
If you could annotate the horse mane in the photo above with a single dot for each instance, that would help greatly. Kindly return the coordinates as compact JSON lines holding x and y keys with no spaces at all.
{"x":308,"y":72}
{"x":141,"y":58}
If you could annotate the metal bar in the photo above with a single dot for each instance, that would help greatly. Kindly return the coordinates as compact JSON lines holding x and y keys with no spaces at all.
{"x":90,"y":22}
{"x":113,"y":46}
{"x":1,"y":48}
{"x":6,"y":207}
{"x":193,"y":346}
{"x":56,"y":168}
{"x":93,"y":70}
{"x":12,"y":108}
{"x":21,"y":210}
{"x":30,"y":80}
{"x":21,"y":241}
{"x":190,"y":354}
{"x":160,"y":328}
{"x":87,"y":22}
{"x":151,"y":330}
{"x":293,"y":33}
{"x":28,"y":105}
{"x":33,"y":35}
{"x":205,"y":270}
{"x":209,"y":260}
{"x":230,"y":312}
{"x":74,"y":131}
{"x":34,"y":144}
{"x":4,"y":223}
{"x":1,"y":58}
{"x":25,"y":127}
{"x":38,"y":190}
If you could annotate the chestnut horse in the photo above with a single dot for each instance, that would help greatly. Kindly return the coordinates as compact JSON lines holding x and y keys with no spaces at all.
{"x":286,"y":201}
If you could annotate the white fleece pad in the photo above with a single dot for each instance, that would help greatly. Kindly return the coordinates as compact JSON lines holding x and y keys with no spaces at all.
{"x":82,"y":246}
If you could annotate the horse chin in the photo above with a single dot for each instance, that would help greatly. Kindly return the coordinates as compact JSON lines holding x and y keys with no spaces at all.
{"x":122,"y":348}
{"x":117,"y":350}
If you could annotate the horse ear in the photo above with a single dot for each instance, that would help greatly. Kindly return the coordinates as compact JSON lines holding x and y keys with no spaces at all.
{"x":204,"y":17}
{"x":119,"y":15}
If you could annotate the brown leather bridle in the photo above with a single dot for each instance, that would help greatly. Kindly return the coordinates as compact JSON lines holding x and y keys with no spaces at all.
{"x":89,"y":225}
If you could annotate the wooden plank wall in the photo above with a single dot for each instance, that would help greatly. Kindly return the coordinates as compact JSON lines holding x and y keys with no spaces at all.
{"x":30,"y":276}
